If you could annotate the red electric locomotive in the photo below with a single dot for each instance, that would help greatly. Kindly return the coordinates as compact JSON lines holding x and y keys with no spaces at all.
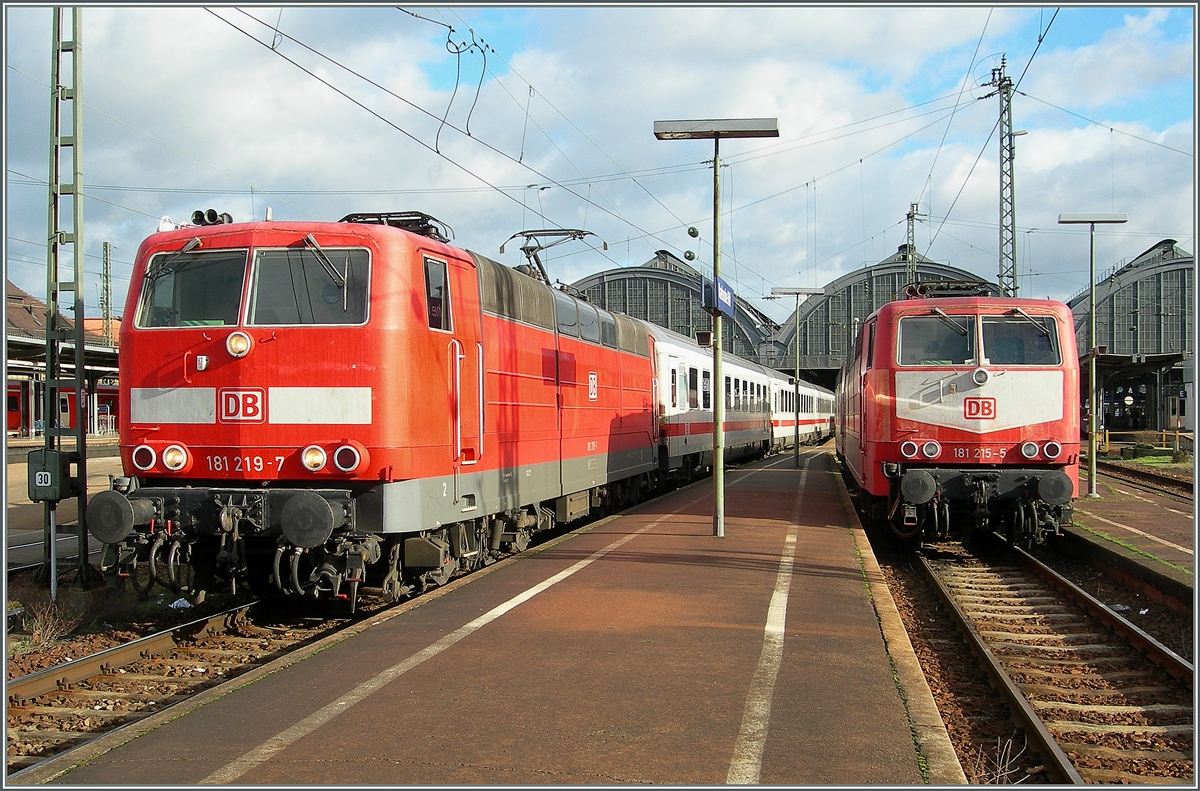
{"x":310,"y":407}
{"x":959,"y":413}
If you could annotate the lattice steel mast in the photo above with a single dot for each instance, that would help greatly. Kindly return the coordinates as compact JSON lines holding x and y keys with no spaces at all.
{"x":62,"y":473}
{"x":1007,"y":277}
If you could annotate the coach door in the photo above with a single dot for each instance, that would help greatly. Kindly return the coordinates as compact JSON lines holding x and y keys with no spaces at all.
{"x":452,"y":294}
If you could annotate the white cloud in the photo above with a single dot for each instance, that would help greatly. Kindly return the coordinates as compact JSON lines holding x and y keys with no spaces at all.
{"x":232,"y":113}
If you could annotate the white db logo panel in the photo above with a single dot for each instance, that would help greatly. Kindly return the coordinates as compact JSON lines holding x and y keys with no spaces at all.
{"x":242,"y":406}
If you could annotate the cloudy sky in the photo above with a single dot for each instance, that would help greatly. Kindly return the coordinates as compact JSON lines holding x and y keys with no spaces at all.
{"x":506,"y":118}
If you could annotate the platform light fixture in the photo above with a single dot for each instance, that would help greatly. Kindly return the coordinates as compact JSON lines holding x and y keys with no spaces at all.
{"x":715,"y":130}
{"x":1109,"y":218}
{"x":796,"y":292}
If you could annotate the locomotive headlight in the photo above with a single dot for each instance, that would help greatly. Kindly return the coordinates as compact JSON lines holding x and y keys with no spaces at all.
{"x":931,"y":449}
{"x":1029,"y":449}
{"x":144,"y":457}
{"x":1052,"y":450}
{"x":908,"y":449}
{"x":174,"y":457}
{"x":237,"y":344}
{"x":346,"y":458}
{"x":979,"y":376}
{"x":313,"y":457}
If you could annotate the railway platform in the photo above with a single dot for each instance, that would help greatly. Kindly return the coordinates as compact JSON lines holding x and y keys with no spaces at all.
{"x":1147,"y":537}
{"x":639,"y":650}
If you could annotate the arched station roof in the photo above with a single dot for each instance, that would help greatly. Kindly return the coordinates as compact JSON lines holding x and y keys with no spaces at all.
{"x":828,"y":323}
{"x":1146,"y":306}
{"x":666,"y":291}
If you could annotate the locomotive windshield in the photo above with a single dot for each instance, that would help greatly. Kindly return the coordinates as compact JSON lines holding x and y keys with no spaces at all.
{"x":937,"y":340}
{"x":193,"y":289}
{"x":1020,"y":340}
{"x":292,"y":287}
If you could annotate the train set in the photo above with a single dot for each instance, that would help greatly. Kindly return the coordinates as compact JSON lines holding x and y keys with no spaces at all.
{"x":308,"y":408}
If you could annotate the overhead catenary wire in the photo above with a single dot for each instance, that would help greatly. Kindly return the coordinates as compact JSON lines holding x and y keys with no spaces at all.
{"x":420,"y":109}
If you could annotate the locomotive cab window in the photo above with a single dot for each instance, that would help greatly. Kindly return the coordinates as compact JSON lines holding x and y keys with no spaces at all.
{"x":937,"y":340}
{"x":193,"y":289}
{"x":437,"y":294}
{"x":294,"y":286}
{"x":1020,"y":339}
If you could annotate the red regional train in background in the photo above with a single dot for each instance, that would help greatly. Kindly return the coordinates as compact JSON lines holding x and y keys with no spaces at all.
{"x":21,"y":409}
{"x":311,"y":407}
{"x":959,"y":413}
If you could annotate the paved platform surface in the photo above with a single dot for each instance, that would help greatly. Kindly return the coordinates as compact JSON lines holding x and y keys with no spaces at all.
{"x":24,"y":520}
{"x":642,"y":650}
{"x":1146,"y":538}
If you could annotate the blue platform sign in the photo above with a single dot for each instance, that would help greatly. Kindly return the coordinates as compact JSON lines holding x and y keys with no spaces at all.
{"x":723,"y":301}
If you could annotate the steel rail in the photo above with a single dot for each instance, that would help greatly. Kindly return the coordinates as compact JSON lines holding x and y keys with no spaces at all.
{"x":52,"y":679}
{"x":1147,"y":478}
{"x":1055,"y":760}
{"x":1158,"y":653}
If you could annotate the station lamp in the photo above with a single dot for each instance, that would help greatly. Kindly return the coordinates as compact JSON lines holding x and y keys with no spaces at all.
{"x":715,"y":130}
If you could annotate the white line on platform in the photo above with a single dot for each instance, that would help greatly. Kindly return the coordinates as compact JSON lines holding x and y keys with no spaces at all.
{"x":752,"y":737}
{"x":1134,"y":530}
{"x":280,"y":741}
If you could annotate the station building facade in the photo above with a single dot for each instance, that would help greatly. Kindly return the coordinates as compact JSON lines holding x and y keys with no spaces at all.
{"x":1145,"y":334}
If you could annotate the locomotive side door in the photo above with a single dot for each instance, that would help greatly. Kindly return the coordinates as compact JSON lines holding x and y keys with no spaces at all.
{"x":452,"y":296}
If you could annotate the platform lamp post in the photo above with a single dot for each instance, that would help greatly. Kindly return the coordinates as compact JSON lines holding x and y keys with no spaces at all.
{"x":797,"y":292}
{"x":715,"y":130}
{"x":1093,"y":220}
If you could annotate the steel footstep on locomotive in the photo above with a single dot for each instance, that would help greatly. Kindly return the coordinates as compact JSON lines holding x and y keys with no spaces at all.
{"x":307,"y":408}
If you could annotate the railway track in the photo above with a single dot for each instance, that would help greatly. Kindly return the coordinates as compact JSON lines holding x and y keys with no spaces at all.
{"x":1146,"y":478}
{"x":1101,"y":701}
{"x":66,"y":706}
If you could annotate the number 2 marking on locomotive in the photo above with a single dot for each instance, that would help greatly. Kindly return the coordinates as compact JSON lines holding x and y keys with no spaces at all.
{"x":443,"y":488}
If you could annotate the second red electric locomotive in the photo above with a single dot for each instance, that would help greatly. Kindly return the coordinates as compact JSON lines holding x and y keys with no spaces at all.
{"x":960,"y":413}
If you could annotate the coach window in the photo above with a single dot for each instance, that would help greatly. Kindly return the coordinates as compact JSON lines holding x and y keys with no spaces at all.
{"x":589,"y":323}
{"x":295,"y":286}
{"x":937,"y":340}
{"x":693,"y":388}
{"x":674,"y":387}
{"x":728,"y":394}
{"x":192,"y":289}
{"x":1020,"y":339}
{"x":707,"y":386}
{"x":568,"y":314}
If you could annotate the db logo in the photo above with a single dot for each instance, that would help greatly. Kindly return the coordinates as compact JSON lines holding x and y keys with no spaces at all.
{"x":242,"y":406}
{"x":979,"y":408}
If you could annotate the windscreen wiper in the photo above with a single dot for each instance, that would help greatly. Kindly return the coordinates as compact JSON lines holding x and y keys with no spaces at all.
{"x":1037,"y":324}
{"x":154,"y":271}
{"x":942,"y":315}
{"x":338,"y":278}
